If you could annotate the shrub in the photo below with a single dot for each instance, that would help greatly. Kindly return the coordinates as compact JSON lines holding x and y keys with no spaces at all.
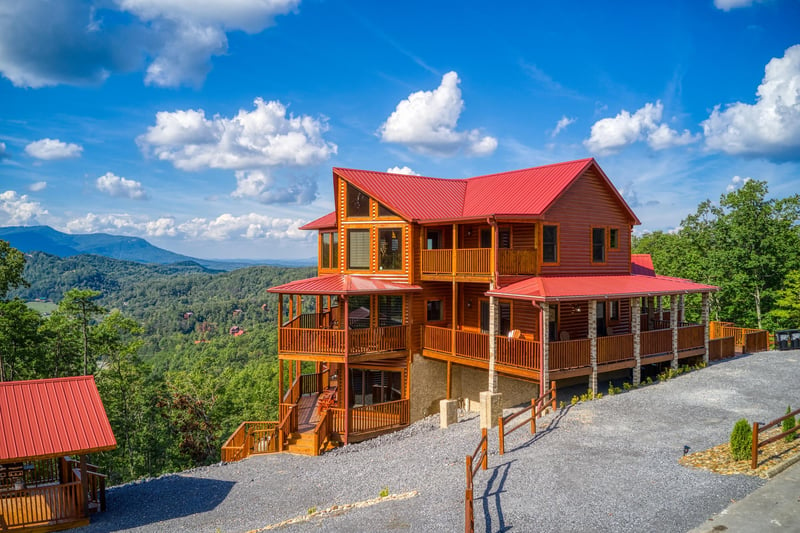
{"x":575,"y":400}
{"x":741,"y":440}
{"x":627,"y":386}
{"x":789,"y":424}
{"x":384,"y":493}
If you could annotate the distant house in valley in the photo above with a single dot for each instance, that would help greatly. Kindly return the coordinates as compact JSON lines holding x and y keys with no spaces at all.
{"x":423,"y":281}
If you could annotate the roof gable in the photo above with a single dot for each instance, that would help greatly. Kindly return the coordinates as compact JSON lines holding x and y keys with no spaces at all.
{"x":324,"y":222}
{"x":51,"y":418}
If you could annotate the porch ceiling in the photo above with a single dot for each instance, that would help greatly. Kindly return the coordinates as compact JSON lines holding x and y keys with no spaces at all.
{"x":597,"y":288}
{"x":343,"y":284}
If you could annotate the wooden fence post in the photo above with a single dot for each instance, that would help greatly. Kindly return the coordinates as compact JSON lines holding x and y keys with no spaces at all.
{"x":533,"y":416}
{"x":501,"y":433}
{"x":553,"y":395}
{"x":754,"y":461}
{"x":469,"y":518}
{"x":484,"y":446}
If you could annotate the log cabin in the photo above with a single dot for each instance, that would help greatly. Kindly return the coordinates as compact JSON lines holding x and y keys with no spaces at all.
{"x":426,"y":287}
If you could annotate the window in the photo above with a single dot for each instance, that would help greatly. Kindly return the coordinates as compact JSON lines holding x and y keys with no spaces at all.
{"x":504,"y":238}
{"x":390,"y":311}
{"x":390,"y":249}
{"x":358,"y":308}
{"x":486,"y":238}
{"x":330,"y":250}
{"x":357,"y":202}
{"x":384,"y":211}
{"x":504,"y":320}
{"x":552,"y":323}
{"x":358,"y":249}
{"x":613,"y":239}
{"x":598,"y":245}
{"x":434,"y":239}
{"x":435,"y":311}
{"x":613,"y":311}
{"x":550,"y":244}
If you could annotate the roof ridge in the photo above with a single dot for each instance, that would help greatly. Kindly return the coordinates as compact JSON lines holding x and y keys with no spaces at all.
{"x":416,"y":176}
{"x":584,"y":160}
{"x":48,"y":380}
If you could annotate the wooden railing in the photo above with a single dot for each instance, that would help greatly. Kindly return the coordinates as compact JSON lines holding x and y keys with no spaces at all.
{"x":756,"y":429}
{"x":614,"y":348}
{"x":311,"y":383}
{"x":660,"y":324}
{"x":655,"y":342}
{"x":480,"y":459}
{"x":317,"y":341}
{"x":378,"y":339}
{"x":473,"y":261}
{"x":40,"y":506}
{"x":379,"y":416}
{"x":472,"y":345}
{"x":439,"y":339}
{"x":95,"y":483}
{"x":518,"y":352}
{"x":534,"y":411}
{"x":521,"y":353}
{"x":756,"y":341}
{"x":570,"y":354}
{"x":516,"y":261}
{"x":721,"y":348}
{"x":690,"y":337}
{"x":251,"y":438}
{"x":337,"y":417}
{"x":437,"y":261}
{"x":322,"y":431}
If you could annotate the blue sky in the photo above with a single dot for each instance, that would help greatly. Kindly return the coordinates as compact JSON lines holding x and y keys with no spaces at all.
{"x":210,"y":128}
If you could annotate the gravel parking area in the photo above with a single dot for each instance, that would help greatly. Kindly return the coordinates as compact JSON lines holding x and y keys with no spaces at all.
{"x":610,"y":464}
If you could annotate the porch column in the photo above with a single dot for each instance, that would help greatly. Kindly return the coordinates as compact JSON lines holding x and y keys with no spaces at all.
{"x":449,"y":379}
{"x":650,"y":312}
{"x":544,"y":336}
{"x":491,"y":400}
{"x":660,"y":307}
{"x":280,"y":380}
{"x":683,"y":307}
{"x":636,"y":329}
{"x":280,"y":315}
{"x":84,"y":486}
{"x":343,"y":299}
{"x":673,"y":323}
{"x":593,"y":344}
{"x":706,"y":332}
{"x":454,"y":314}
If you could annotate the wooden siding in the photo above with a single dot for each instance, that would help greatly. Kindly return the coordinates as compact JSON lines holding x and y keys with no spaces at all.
{"x":525,"y":317}
{"x":587,"y":204}
{"x":574,"y":319}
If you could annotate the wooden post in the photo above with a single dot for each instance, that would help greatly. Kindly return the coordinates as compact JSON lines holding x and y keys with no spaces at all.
{"x":544,"y":337}
{"x":454,"y":312}
{"x":449,"y":377}
{"x":280,"y":380}
{"x":84,"y":486}
{"x":343,"y":299}
{"x":553,"y":395}
{"x":533,"y":416}
{"x":754,"y":451}
{"x":501,"y":434}
{"x":484,"y":449}
{"x":673,"y":322}
{"x":593,"y":344}
{"x":492,"y":341}
{"x":469,"y":516}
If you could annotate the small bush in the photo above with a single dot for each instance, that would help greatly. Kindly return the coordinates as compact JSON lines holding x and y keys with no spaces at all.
{"x":789,"y":424}
{"x":312,"y":510}
{"x":575,"y":400}
{"x":384,"y":493}
{"x":741,"y":440}
{"x":627,"y":386}
{"x":562,"y":404}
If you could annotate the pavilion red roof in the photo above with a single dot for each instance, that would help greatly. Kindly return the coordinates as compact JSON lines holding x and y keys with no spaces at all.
{"x":557,"y":288}
{"x":52,"y":418}
{"x":528,"y":192}
{"x":343,"y":284}
{"x":323,"y":222}
{"x":642,"y":264}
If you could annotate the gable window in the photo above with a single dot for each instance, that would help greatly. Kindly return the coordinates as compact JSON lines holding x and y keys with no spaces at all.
{"x":613,"y":239}
{"x":330,"y":250}
{"x":390,"y":249}
{"x":358,"y":249}
{"x":384,"y":211}
{"x":550,"y":244}
{"x":598,"y":245}
{"x":435,"y":311}
{"x":357,"y":202}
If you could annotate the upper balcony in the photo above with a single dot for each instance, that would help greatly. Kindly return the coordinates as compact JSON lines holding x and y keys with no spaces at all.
{"x":467,"y":263}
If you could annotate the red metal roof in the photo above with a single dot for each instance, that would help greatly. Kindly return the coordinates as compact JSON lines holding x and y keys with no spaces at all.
{"x":558,"y":288}
{"x":51,"y":418}
{"x":642,"y":264}
{"x":323,"y":222}
{"x":527,"y":192}
{"x":343,"y":284}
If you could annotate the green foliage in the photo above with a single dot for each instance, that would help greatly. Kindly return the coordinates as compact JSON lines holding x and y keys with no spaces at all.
{"x":627,"y":386}
{"x":786,"y":313}
{"x":12,"y":265}
{"x":574,"y":400}
{"x":789,"y":424}
{"x":384,"y":492}
{"x":741,"y":440}
{"x":311,"y":510}
{"x":612,"y":390}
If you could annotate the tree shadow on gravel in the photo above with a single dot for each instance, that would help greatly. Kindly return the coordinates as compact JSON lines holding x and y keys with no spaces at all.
{"x":143,"y":504}
{"x":494,"y":488}
{"x":540,"y":434}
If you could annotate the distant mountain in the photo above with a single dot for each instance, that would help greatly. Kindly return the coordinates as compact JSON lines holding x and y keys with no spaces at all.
{"x":50,"y":241}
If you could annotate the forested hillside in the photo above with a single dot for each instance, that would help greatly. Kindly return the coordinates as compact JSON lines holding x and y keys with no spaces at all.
{"x":174,"y":380}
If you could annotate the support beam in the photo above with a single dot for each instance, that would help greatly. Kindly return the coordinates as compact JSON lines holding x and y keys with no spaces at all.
{"x":593,"y":343}
{"x":706,"y":332}
{"x":682,"y":301}
{"x":544,"y":336}
{"x":636,"y":329}
{"x":343,"y":299}
{"x":449,"y":380}
{"x":660,"y":307}
{"x":280,"y":380}
{"x":650,"y":313}
{"x":492,"y":341}
{"x":85,"y":485}
{"x":673,"y":323}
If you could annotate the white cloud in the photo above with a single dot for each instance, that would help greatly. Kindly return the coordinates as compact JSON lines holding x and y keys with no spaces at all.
{"x":562,"y":123}
{"x":161,"y":227}
{"x":264,"y":137}
{"x":736,"y":182}
{"x":50,"y":149}
{"x":769,"y":128}
{"x":81,"y":42}
{"x":609,"y":135}
{"x":3,"y":151}
{"x":727,"y":5}
{"x":123,"y":223}
{"x":260,"y":186}
{"x":38,"y":186}
{"x":426,"y":122}
{"x":249,"y":226}
{"x":18,"y":209}
{"x":118,"y":186}
{"x":402,"y":170}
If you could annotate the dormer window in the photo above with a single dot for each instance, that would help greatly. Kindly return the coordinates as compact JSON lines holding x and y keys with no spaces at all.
{"x":357,"y":202}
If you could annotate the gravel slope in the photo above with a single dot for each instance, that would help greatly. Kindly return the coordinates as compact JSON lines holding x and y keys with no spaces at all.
{"x":606,"y":465}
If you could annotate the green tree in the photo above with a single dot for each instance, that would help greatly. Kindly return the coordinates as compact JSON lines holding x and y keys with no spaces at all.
{"x":61,"y":345}
{"x":80,"y":304}
{"x":19,"y":342}
{"x":787,"y":304}
{"x":12,"y":265}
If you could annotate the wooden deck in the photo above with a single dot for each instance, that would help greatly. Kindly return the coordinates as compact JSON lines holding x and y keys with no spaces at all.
{"x":476,"y":262}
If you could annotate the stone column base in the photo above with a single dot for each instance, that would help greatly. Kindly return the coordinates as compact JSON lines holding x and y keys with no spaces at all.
{"x":491,"y":409}
{"x":448,"y":413}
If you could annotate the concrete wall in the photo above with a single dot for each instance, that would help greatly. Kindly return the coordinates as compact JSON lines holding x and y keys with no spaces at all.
{"x":428,"y":386}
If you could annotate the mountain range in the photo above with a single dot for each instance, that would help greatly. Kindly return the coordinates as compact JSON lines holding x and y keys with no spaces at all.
{"x":48,"y":240}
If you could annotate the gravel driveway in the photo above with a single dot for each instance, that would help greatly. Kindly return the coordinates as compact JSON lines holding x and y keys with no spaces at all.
{"x":606,"y":465}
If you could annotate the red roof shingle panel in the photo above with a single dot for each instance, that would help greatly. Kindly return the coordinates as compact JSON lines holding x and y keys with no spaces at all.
{"x":324,"y":222}
{"x":51,"y":418}
{"x":343,"y":284}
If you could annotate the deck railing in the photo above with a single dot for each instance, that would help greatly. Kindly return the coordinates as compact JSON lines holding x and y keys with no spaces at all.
{"x":516,"y":261}
{"x":438,"y":339}
{"x":473,"y":261}
{"x":721,"y":348}
{"x":655,"y":342}
{"x":570,"y":354}
{"x":322,"y":431}
{"x":518,"y":352}
{"x":472,"y":345}
{"x":250,"y":438}
{"x":40,"y":506}
{"x":379,"y":416}
{"x":690,"y":337}
{"x":477,"y":261}
{"x":437,"y":261}
{"x":378,"y":339}
{"x":95,"y":482}
{"x":756,"y":341}
{"x":614,"y":348}
{"x":316,"y":341}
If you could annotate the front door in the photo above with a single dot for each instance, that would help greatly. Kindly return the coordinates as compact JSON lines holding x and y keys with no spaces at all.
{"x":601,"y":319}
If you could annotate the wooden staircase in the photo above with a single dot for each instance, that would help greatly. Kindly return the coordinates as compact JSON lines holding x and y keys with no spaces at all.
{"x":301,"y":443}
